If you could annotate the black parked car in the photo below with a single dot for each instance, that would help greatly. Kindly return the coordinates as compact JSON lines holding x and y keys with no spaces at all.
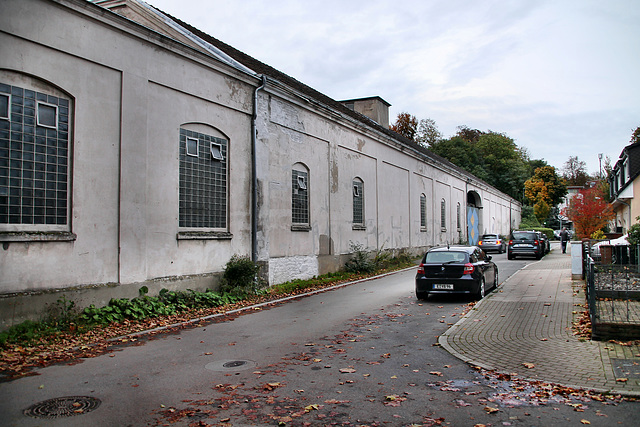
{"x":546,"y":244}
{"x":456,"y":270}
{"x":527,"y":243}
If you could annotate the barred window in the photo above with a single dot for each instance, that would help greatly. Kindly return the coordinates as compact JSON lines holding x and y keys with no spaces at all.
{"x":458,"y":218}
{"x":358,"y":202}
{"x":34,"y":158}
{"x":443,"y":215}
{"x":300,"y":195}
{"x":423,"y":212}
{"x":203,"y":180}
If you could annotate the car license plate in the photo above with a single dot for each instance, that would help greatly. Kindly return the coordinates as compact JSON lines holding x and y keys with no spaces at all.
{"x":521,"y":246}
{"x":443,"y":286}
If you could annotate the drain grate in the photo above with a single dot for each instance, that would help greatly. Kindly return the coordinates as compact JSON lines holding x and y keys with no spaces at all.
{"x":62,"y":407}
{"x":626,"y":368}
{"x":230,"y":365}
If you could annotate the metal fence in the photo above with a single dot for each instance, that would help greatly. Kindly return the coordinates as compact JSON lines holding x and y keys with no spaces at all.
{"x":612,"y":274}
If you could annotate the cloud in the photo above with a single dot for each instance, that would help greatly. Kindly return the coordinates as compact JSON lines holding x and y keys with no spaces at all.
{"x":560,"y":78}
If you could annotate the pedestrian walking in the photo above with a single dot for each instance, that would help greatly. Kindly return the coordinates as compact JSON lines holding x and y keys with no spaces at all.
{"x":564,"y":237}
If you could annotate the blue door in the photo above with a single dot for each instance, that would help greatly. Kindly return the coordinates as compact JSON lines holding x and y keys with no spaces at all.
{"x":473,"y":225}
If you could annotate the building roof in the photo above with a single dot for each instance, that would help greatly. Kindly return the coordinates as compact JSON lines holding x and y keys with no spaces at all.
{"x":246,"y":63}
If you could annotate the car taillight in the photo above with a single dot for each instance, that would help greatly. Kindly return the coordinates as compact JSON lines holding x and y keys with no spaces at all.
{"x":535,"y":242}
{"x":421,"y":269}
{"x":480,"y":242}
{"x":468,"y":268}
{"x":498,"y":242}
{"x":510,"y":242}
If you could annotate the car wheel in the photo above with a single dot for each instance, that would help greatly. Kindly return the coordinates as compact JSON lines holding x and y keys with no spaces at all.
{"x":422,"y":295}
{"x":538,"y":256}
{"x":510,"y":255}
{"x":481,"y":290}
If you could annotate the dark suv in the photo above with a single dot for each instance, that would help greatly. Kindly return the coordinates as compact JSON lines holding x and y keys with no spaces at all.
{"x":525,"y":243}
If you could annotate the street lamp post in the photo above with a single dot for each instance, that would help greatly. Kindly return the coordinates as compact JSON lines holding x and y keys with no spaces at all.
{"x":600,"y":160}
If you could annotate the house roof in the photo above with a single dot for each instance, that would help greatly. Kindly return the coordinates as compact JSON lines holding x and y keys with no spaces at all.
{"x":241,"y":60}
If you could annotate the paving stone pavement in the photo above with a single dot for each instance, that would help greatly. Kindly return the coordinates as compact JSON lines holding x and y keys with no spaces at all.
{"x":528,"y":320}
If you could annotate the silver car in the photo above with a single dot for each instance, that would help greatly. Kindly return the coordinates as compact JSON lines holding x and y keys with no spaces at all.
{"x":492,"y":242}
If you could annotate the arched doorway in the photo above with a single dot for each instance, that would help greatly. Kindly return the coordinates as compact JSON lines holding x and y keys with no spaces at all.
{"x":474,"y":219}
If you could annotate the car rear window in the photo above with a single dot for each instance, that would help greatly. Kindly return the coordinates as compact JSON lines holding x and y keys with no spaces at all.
{"x":525,"y":236}
{"x":446,"y":257}
{"x":489,"y":236}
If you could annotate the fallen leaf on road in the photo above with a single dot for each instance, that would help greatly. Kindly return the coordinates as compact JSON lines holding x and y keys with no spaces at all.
{"x":528,"y":365}
{"x":585,"y":421}
{"x":347,"y":370}
{"x":622,"y":380}
{"x":491,"y":410}
{"x":438,"y":373}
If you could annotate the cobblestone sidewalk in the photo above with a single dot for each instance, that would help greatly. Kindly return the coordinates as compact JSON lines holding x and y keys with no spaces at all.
{"x":525,"y":327}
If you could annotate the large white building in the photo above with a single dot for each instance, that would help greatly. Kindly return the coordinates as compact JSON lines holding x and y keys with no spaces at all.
{"x":136,"y":150}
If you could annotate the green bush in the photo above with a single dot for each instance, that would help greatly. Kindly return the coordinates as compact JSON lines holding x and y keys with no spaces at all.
{"x":360,"y":261}
{"x":547,"y":231}
{"x":240,"y":276}
{"x":634,"y":233}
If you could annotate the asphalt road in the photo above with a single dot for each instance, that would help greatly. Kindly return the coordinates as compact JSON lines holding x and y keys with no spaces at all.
{"x":364,"y":354}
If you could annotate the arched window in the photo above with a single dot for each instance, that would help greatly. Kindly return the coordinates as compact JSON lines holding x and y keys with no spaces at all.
{"x":300,"y":196}
{"x":203,"y":195}
{"x":423,"y":212}
{"x":443,"y":215}
{"x":35,"y":155}
{"x":358,"y":202}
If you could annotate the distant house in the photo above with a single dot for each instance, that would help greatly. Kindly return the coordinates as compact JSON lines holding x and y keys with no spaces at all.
{"x":623,"y":185}
{"x":138,"y":150}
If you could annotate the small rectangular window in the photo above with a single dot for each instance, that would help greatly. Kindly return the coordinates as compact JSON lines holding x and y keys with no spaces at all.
{"x":216,"y":151}
{"x":47,"y":115}
{"x":4,"y":106}
{"x":192,"y":147}
{"x":356,"y":190}
{"x":302,"y":185}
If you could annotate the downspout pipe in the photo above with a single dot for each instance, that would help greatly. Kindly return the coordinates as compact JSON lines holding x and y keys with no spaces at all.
{"x":254,"y":174}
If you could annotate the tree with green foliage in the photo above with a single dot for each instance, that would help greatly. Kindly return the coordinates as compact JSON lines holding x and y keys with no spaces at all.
{"x":461,"y":153}
{"x":506,"y":165}
{"x":493,"y":157}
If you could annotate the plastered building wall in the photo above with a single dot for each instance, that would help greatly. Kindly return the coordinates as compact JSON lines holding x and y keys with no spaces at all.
{"x":131,"y":90}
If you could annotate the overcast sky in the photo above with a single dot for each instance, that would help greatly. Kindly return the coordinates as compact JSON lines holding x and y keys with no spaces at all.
{"x":560,"y":77}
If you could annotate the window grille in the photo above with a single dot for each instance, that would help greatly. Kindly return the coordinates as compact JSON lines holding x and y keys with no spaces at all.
{"x":458,"y":218}
{"x":423,"y":211}
{"x":34,"y":158}
{"x":300,"y":197}
{"x":443,"y":215}
{"x":203,"y":181}
{"x":358,"y":202}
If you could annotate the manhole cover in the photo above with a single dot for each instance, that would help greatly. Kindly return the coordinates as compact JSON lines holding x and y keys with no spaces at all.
{"x":62,"y":407}
{"x":234,"y":364}
{"x":230,"y":365}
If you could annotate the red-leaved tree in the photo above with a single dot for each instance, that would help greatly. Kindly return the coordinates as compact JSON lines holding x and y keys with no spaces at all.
{"x":589,"y":212}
